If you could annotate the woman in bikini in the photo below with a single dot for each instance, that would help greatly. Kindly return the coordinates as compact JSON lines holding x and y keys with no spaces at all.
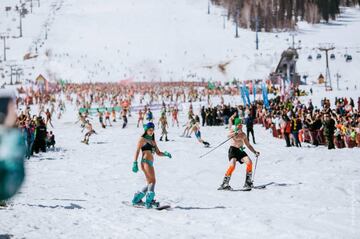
{"x":148,"y":147}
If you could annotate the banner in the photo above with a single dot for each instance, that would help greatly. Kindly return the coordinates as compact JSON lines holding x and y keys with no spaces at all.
{"x":254,"y":90}
{"x":247,"y":95}
{"x":100,"y":109}
{"x":265,"y":96}
{"x":242,"y":95}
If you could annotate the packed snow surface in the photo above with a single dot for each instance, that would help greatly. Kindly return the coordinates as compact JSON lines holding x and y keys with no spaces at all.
{"x":77,"y":191}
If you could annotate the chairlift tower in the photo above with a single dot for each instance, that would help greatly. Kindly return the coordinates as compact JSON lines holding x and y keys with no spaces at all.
{"x":328,"y":84}
{"x":4,"y":37}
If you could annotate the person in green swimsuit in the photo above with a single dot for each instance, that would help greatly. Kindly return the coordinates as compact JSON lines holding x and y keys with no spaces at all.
{"x":148,"y":147}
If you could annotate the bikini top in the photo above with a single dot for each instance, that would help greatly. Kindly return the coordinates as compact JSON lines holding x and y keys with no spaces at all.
{"x":148,"y":146}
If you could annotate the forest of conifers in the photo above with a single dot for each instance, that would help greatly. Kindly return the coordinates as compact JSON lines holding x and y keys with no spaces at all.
{"x":277,"y":15}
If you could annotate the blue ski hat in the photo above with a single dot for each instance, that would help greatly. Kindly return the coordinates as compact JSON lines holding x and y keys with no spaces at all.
{"x":149,"y":125}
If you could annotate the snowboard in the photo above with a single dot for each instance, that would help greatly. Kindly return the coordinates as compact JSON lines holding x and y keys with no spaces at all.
{"x":142,"y":205}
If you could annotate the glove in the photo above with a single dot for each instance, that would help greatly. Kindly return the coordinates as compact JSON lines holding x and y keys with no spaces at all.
{"x":135,"y":167}
{"x":167,"y":154}
{"x":257,"y":154}
{"x":236,"y":131}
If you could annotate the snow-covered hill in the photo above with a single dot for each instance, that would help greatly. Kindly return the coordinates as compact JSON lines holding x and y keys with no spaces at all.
{"x":172,"y":40}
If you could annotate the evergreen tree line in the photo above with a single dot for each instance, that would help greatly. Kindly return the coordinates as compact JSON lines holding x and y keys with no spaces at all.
{"x":281,"y":14}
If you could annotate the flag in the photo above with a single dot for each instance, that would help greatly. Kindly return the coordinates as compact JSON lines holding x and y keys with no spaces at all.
{"x":265,"y":96}
{"x":254,"y":90}
{"x":247,"y":95}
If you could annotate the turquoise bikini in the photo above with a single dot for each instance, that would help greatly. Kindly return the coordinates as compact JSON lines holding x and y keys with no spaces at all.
{"x":149,"y":162}
{"x":148,"y":147}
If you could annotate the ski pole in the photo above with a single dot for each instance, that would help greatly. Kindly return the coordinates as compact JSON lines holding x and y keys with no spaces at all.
{"x":256,"y":160}
{"x":216,"y":147}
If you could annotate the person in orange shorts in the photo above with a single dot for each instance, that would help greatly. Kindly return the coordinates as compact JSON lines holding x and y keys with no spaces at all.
{"x":237,"y":154}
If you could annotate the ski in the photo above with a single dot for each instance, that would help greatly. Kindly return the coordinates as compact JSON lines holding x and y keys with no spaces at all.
{"x":259,"y":187}
{"x":242,"y":189}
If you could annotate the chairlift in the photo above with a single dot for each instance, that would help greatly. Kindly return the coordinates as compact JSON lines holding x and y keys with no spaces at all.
{"x":348,"y":58}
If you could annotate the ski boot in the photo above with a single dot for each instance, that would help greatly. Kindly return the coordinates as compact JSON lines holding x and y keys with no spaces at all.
{"x":225,"y":185}
{"x":149,"y":200}
{"x":160,"y":138}
{"x":166,"y":139}
{"x":206,"y":144}
{"x":248,"y":182}
{"x":137,"y":200}
{"x":155,"y":204}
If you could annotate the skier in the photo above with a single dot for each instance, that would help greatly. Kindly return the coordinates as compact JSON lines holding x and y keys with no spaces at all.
{"x":113,"y":114}
{"x":107,"y":117}
{"x":141,"y":118}
{"x":148,"y":146}
{"x":82,"y":119}
{"x":48,"y":118}
{"x":196,"y":129}
{"x":174,"y":113}
{"x":124,"y":116}
{"x":164,"y":125}
{"x":188,"y":127}
{"x":89,"y":132}
{"x":237,"y":153}
{"x":149,"y":116}
{"x":61,"y":109}
{"x":101,"y":119}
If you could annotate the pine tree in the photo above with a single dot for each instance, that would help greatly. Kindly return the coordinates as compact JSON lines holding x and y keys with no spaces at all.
{"x":280,"y":14}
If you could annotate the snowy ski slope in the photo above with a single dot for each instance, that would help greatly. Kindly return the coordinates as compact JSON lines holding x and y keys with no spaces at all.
{"x":77,"y":191}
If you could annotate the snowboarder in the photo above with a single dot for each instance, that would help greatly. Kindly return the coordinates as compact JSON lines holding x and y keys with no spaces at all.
{"x":237,"y":154}
{"x":148,"y":147}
